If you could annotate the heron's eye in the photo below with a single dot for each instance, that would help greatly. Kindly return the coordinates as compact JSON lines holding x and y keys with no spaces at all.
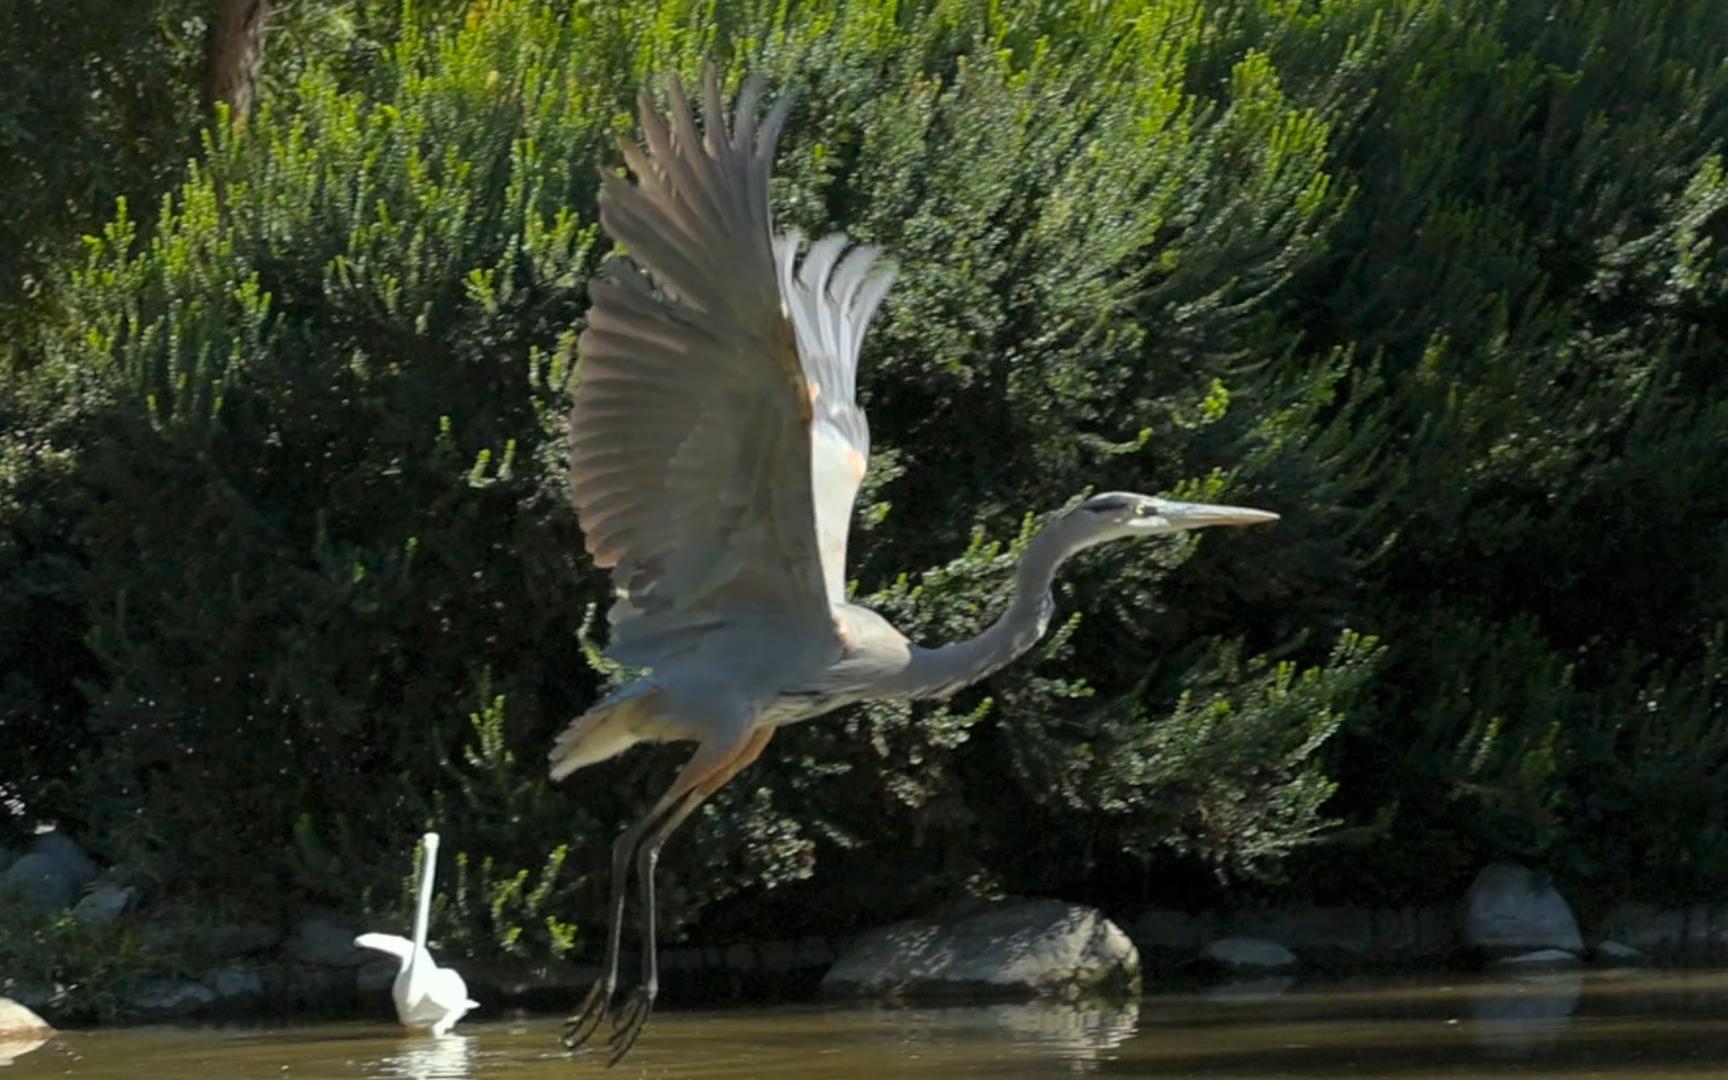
{"x":1143,"y":511}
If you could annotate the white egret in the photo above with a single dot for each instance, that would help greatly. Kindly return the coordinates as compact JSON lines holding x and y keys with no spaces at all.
{"x":426,"y":995}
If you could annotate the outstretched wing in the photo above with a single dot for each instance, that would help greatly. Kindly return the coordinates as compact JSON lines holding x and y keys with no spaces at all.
{"x":693,"y":429}
{"x":831,"y":296}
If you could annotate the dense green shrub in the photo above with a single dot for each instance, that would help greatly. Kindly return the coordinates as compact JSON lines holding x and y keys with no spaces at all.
{"x":287,"y":571}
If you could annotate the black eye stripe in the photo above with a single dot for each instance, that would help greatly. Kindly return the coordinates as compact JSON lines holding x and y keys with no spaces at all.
{"x":1106,"y":503}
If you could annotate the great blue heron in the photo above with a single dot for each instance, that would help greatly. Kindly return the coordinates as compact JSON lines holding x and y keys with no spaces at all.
{"x":716,"y":447}
{"x":426,"y":995}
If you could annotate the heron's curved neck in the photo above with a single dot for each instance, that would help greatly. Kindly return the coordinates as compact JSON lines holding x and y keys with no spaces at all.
{"x":941,"y":671}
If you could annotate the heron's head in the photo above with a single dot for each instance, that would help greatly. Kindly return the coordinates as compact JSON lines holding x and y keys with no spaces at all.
{"x":1119,"y":515}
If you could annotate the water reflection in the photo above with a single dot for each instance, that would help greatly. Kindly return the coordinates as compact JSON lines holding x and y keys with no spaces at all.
{"x":450,"y":1057}
{"x":1251,"y":991}
{"x":1550,"y":1026}
{"x":1525,"y":1014}
{"x":1081,"y":1034}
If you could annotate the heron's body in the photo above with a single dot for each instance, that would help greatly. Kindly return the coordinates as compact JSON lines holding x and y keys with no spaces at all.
{"x":716,"y":449}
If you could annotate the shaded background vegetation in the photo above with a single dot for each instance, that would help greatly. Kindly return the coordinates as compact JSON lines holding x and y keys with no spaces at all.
{"x":287,"y":570}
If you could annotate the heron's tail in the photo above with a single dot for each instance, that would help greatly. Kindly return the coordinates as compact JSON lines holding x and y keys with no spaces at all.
{"x":608,"y":729}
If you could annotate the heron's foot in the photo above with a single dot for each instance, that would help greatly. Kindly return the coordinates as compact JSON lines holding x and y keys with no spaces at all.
{"x":628,"y":1022}
{"x":581,"y":1024}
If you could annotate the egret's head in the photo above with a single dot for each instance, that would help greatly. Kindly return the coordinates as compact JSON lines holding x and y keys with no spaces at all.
{"x":1118,"y":515}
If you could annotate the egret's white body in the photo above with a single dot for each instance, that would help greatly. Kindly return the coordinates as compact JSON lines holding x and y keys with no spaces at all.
{"x":426,"y":995}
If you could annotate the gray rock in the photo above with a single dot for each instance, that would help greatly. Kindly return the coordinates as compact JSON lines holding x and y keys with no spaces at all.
{"x":321,"y":940}
{"x":1690,"y":933}
{"x":235,"y":981}
{"x":1617,"y":953}
{"x":65,"y":852}
{"x":1249,"y":954}
{"x":1537,"y":958}
{"x":103,"y":905}
{"x":170,"y":997}
{"x":49,"y":875}
{"x":21,"y":1031}
{"x":6,"y":857}
{"x":39,"y":881}
{"x":16,"y":1019}
{"x":1512,"y":909}
{"x":1023,"y":948}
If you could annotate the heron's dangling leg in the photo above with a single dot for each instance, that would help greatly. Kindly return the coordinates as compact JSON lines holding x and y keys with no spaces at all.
{"x":634,"y":1014}
{"x":581,"y":1024}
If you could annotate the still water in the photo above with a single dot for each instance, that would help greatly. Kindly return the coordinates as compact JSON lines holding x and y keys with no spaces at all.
{"x":1574,"y":1026}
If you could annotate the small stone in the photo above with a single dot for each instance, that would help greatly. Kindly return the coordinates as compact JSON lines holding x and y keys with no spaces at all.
{"x":1248,"y":953}
{"x":1537,"y":958}
{"x":103,"y":905}
{"x":1618,"y":953}
{"x":235,"y":981}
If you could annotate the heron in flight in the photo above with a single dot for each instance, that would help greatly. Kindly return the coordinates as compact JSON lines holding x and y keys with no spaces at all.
{"x":716,"y":448}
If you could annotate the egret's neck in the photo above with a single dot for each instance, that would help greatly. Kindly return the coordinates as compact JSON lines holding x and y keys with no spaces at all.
{"x":941,"y":671}
{"x":423,"y":906}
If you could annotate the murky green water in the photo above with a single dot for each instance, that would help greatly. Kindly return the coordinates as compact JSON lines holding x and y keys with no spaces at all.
{"x":1630,"y":1027}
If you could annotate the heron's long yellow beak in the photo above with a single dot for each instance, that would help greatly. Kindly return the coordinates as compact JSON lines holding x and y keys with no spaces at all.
{"x":1200,"y":515}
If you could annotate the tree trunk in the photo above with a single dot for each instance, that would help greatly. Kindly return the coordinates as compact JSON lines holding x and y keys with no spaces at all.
{"x":236,"y":56}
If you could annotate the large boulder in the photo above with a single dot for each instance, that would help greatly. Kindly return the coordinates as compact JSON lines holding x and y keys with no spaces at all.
{"x":1512,"y":909}
{"x":49,"y":876}
{"x":1023,"y":948}
{"x":21,"y":1030}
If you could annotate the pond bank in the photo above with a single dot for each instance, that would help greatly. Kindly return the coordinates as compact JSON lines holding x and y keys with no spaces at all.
{"x":170,"y":964}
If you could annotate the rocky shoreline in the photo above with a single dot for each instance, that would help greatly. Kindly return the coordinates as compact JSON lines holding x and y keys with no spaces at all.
{"x":1510,"y":919}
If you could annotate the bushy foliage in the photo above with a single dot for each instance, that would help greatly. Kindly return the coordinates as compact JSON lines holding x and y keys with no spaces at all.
{"x":288,"y":572}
